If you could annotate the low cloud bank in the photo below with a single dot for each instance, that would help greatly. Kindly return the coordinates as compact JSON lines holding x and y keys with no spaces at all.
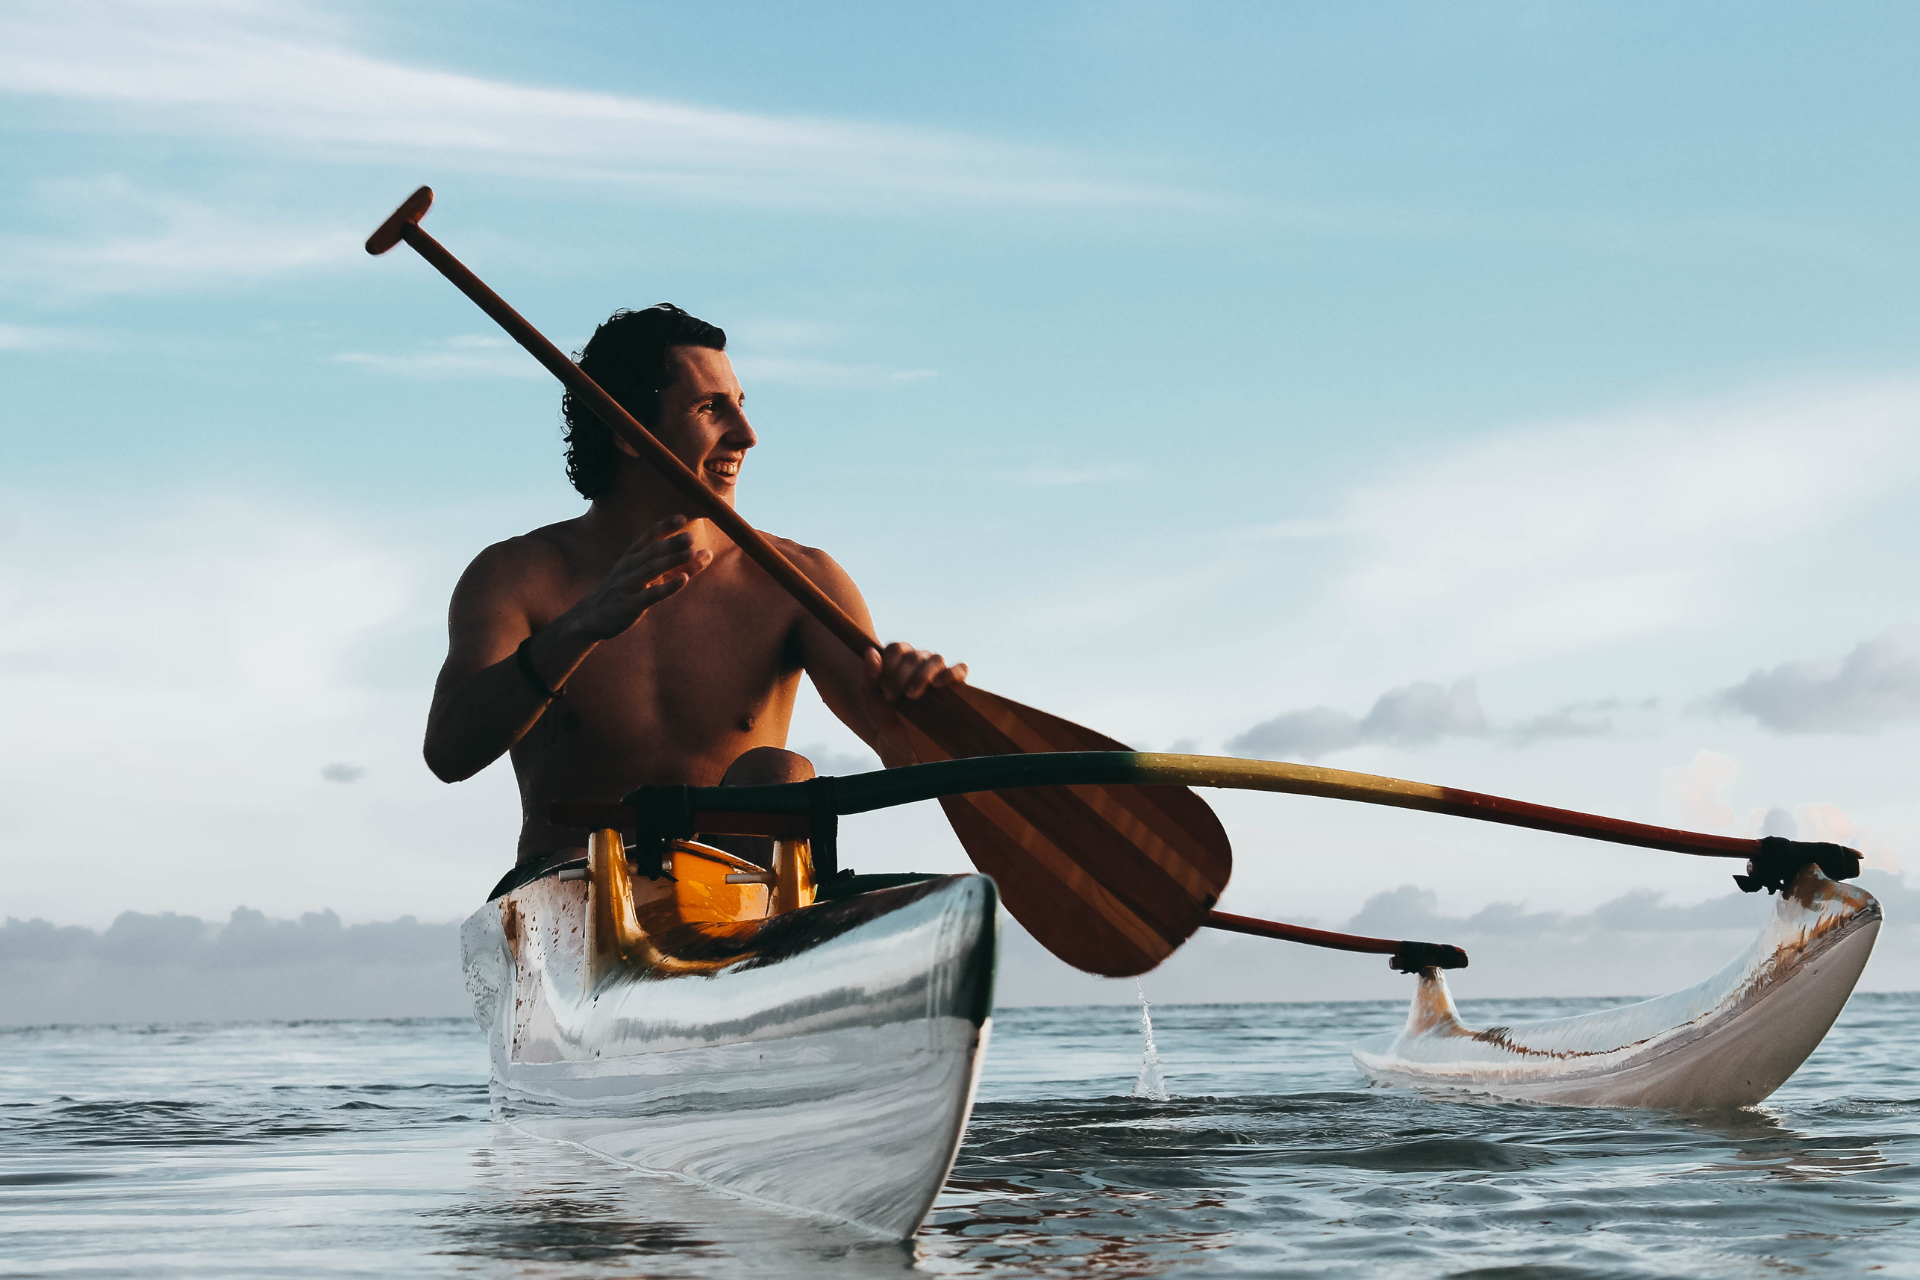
{"x":1412,"y":912}
{"x":1634,"y":946}
{"x":1872,"y":687}
{"x":248,"y":940}
{"x":175,"y":968}
{"x":1413,"y":715}
{"x":1416,"y":715}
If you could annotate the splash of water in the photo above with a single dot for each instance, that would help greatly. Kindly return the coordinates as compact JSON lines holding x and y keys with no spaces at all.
{"x":1151,"y":1084}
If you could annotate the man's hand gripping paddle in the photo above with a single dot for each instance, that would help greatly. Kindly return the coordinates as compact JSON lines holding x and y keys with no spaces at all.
{"x":1110,"y":878}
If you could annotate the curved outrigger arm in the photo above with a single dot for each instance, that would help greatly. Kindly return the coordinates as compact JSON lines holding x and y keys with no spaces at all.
{"x":809,"y":808}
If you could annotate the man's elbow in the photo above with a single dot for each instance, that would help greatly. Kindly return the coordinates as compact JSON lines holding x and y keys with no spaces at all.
{"x":443,"y":764}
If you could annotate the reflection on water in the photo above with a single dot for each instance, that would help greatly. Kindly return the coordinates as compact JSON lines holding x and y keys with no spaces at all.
{"x":1762,"y":1144}
{"x":536,"y":1202}
{"x":371,"y":1149}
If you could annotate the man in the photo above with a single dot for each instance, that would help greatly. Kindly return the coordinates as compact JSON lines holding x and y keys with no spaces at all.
{"x":630,"y":645}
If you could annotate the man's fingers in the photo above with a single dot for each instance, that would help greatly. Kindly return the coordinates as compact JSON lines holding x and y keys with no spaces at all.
{"x":660,"y":590}
{"x":898,"y":670}
{"x":882,"y":664}
{"x":677,"y":544}
{"x":662,"y":558}
{"x":661,"y":530}
{"x":901,"y":671}
{"x":930,"y":668}
{"x":663,"y":538}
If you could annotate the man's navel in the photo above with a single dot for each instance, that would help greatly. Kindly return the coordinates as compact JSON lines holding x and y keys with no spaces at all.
{"x":746,"y":723}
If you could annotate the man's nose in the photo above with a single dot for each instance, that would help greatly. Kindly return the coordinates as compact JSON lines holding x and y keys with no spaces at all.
{"x":740,"y":432}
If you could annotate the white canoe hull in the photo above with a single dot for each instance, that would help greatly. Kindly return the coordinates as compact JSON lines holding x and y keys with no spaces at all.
{"x":830,"y":1067}
{"x":1728,"y":1042}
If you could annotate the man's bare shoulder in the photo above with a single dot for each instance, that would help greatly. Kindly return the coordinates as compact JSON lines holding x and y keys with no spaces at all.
{"x":827,"y":574}
{"x":539,"y":558}
{"x":814,"y":562}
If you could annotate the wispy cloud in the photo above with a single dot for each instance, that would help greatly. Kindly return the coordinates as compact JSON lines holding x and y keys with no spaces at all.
{"x":195,"y":663}
{"x":285,"y":73}
{"x":818,"y":374}
{"x":117,"y":237}
{"x":1546,"y":541}
{"x":16,"y":337}
{"x":1043,"y":477}
{"x":1876,"y":685}
{"x":468,"y":356}
{"x":1589,"y":719}
{"x":1289,"y":530}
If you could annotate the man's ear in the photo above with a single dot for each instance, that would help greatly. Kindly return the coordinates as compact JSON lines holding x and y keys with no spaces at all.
{"x":620,"y":443}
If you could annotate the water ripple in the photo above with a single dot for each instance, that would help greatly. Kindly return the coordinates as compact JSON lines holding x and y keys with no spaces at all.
{"x":369,"y":1148}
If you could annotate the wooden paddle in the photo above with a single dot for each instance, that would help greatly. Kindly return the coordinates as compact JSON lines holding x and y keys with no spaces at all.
{"x":1110,"y":878}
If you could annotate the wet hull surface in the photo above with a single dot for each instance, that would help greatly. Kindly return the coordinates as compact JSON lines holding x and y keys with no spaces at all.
{"x":823,"y":1060}
{"x":1728,"y":1042}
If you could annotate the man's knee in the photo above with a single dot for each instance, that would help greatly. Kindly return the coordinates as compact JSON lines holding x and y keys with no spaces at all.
{"x":760,"y":767}
{"x":766,"y":767}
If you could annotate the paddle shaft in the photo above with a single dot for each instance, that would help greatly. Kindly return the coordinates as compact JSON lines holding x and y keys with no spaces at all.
{"x":628,"y":428}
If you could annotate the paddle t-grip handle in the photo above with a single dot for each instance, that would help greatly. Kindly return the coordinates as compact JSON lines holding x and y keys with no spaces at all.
{"x":405,"y":225}
{"x":394,"y":228}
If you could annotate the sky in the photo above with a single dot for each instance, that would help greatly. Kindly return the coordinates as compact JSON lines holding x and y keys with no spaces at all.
{"x":1519,"y":397}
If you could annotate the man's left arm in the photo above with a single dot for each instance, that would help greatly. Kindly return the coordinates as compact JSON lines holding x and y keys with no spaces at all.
{"x":864,"y":690}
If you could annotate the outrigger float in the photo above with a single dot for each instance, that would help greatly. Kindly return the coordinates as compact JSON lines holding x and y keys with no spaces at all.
{"x":813,"y":1038}
{"x":674,"y":1007}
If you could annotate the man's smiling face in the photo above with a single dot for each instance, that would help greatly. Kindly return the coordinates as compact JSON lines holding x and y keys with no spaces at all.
{"x":703,"y":419}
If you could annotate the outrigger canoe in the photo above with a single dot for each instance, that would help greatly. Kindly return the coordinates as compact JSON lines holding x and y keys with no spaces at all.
{"x":812,"y":1039}
{"x":714,"y":1021}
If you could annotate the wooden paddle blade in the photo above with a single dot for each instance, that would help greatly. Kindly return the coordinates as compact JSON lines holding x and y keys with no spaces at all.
{"x":1112,"y":879}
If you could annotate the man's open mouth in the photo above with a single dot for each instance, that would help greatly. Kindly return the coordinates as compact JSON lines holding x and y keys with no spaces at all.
{"x":724,"y":468}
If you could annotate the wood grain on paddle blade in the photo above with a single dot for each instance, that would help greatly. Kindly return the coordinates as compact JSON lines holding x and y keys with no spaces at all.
{"x":1112,"y":879}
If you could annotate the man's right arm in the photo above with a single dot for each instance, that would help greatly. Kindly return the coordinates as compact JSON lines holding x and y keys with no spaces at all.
{"x":483,"y":702}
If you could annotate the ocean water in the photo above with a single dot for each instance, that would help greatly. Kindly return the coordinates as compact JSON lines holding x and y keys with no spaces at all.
{"x":368,"y":1149}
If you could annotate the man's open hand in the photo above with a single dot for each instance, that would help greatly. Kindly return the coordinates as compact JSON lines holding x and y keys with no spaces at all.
{"x":902,"y":671}
{"x":659,"y":563}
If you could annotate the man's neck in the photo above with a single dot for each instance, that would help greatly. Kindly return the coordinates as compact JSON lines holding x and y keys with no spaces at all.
{"x":621,"y":517}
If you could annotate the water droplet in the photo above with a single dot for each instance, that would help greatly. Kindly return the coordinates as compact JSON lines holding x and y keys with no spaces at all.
{"x":1151,"y":1084}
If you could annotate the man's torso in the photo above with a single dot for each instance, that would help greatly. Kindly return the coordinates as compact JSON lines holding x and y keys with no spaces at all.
{"x":702,"y":677}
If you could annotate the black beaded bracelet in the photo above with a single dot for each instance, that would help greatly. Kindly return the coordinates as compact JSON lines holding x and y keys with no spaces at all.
{"x":524,"y":660}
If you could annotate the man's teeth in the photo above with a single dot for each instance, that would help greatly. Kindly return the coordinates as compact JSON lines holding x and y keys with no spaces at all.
{"x":724,"y":468}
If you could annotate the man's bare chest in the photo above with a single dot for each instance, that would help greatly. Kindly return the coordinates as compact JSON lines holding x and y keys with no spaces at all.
{"x":709,"y":659}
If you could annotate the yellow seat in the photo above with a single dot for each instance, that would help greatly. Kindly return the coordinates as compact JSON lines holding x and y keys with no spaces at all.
{"x":704,"y":891}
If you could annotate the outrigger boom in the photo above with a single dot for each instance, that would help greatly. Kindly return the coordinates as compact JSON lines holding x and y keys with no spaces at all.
{"x":655,"y":815}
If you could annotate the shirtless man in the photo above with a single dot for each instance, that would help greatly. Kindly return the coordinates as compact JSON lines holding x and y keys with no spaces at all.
{"x":630,"y":645}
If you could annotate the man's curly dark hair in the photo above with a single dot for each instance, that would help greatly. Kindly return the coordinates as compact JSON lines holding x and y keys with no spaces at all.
{"x":627,"y":356}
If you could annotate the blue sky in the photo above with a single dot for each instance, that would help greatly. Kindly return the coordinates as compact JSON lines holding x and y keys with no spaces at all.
{"x":1182,"y":369}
